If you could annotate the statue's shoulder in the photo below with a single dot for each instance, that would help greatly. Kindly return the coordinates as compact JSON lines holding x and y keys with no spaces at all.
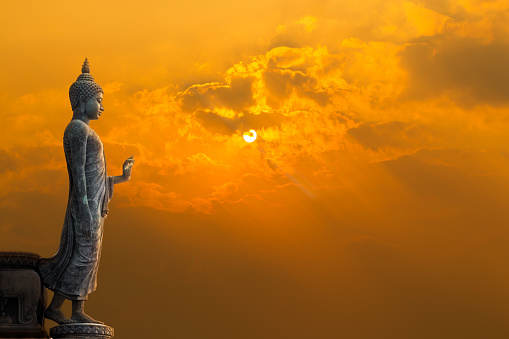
{"x":76,"y":128}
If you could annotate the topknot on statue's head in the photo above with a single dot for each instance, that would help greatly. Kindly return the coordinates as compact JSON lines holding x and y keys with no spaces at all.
{"x":86,"y":67}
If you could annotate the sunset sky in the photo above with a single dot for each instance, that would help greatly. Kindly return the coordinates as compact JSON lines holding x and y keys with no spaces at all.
{"x":373,"y":203}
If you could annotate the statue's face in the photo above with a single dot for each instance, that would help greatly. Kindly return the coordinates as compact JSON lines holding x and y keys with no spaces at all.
{"x":94,"y":106}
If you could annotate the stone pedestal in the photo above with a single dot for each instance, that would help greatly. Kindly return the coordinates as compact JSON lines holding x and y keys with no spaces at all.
{"x":81,"y":331}
{"x":22,"y":296}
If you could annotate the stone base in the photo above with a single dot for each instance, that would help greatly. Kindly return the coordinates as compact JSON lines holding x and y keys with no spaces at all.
{"x":22,"y":296}
{"x":28,"y":332}
{"x":81,"y":331}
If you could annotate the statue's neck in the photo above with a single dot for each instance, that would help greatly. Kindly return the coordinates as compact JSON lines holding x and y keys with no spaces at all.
{"x":77,"y":115}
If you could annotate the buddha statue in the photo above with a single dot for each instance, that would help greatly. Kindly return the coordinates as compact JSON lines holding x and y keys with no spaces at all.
{"x":72,"y":272}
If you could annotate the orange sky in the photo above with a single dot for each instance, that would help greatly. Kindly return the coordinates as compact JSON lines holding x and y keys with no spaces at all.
{"x":372,"y":204}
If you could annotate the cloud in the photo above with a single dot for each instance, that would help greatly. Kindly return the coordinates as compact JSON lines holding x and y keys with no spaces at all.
{"x":215,"y":122}
{"x":198,"y":163}
{"x":349,"y":98}
{"x":281,"y":84}
{"x":154,"y":196}
{"x":9,"y":161}
{"x":31,"y":168}
{"x":462,"y":59}
{"x":296,"y":34}
{"x":393,"y":134}
{"x":464,"y":69}
{"x":236,"y":95}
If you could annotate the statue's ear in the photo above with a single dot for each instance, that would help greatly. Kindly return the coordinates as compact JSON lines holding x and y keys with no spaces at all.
{"x":82,"y":103}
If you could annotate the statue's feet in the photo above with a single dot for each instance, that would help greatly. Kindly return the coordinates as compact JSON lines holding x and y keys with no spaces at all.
{"x":80,"y":317}
{"x":57,"y":316}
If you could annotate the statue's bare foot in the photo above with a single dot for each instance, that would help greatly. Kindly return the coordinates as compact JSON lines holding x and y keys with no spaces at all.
{"x":80,"y":317}
{"x":57,"y":316}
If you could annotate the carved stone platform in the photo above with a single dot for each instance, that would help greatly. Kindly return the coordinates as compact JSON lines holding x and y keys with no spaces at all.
{"x":81,"y":331}
{"x":22,"y":296}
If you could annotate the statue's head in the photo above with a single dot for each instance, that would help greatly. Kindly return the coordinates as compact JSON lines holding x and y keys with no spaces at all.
{"x":84,"y":88}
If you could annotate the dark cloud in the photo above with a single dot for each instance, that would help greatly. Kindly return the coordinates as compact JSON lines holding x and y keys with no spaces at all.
{"x":442,"y":184}
{"x":281,"y":83}
{"x":8,"y":161}
{"x":237,"y":95}
{"x":393,"y":134}
{"x":217,"y":123}
{"x":445,"y":7}
{"x":469,"y":71}
{"x":23,"y":157}
{"x":262,"y":120}
{"x":32,"y":219}
{"x":297,"y":34}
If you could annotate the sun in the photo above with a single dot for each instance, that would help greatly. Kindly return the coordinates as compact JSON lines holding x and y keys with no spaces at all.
{"x":250,"y":136}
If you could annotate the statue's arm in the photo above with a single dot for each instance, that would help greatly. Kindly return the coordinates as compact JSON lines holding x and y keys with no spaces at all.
{"x":78,"y":143}
{"x":126,"y":167}
{"x":119,"y":179}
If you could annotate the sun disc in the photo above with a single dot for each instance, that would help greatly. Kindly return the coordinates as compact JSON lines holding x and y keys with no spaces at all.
{"x":250,"y":136}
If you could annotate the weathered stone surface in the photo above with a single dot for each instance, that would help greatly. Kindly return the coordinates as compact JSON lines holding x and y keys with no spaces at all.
{"x":82,"y":331}
{"x":22,"y":296}
{"x":19,"y":260}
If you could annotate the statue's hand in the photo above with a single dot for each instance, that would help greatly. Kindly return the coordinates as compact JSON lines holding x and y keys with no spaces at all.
{"x":127,"y":167}
{"x":85,"y":223}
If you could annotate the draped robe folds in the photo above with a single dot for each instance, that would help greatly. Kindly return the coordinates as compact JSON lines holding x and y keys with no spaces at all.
{"x":72,"y":271}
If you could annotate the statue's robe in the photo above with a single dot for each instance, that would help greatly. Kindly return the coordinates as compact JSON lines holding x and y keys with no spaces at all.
{"x":72,"y":271}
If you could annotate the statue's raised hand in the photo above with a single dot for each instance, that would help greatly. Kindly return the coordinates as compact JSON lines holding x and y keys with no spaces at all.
{"x":127,"y":167}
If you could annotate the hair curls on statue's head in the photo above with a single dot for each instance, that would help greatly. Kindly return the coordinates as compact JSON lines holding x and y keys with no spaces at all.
{"x":83,"y":86}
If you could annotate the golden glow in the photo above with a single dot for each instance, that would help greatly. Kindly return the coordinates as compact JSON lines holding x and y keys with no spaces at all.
{"x":382,"y":168}
{"x":250,"y":135}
